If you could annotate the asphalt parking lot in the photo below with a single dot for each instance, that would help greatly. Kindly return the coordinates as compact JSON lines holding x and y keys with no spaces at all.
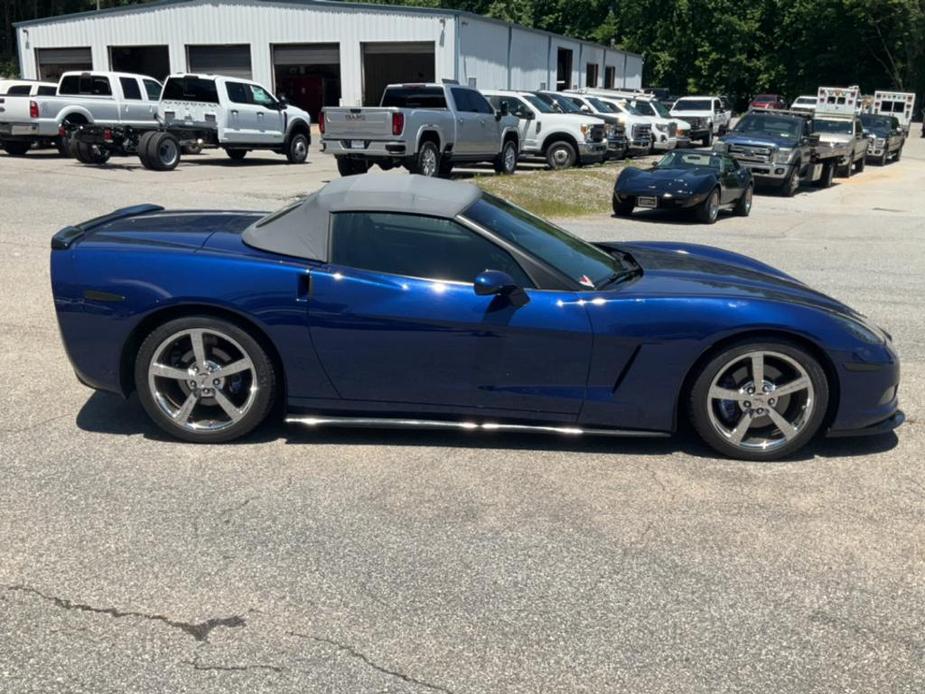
{"x":346,"y":561}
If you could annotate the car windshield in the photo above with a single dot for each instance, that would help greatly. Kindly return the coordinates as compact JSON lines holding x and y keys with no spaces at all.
{"x":693,"y":105}
{"x":838,"y":127}
{"x":586,"y":264}
{"x":787,"y":128}
{"x":659,"y":108}
{"x":603,"y":106}
{"x":564,"y":105}
{"x":538,"y":103}
{"x":876,"y":123}
{"x":807,"y":100}
{"x":690,"y":160}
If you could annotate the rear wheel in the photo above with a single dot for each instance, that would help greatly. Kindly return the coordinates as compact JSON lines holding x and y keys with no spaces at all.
{"x":744,"y":204}
{"x":90,"y":154}
{"x":427,"y":161}
{"x":205,"y":380}
{"x":506,"y":162}
{"x":162,"y":151}
{"x":350,"y":167}
{"x":561,"y":155}
{"x":297,"y":149}
{"x":759,"y":400}
{"x":708,"y":211}
{"x":235,"y":154}
{"x":16,"y":148}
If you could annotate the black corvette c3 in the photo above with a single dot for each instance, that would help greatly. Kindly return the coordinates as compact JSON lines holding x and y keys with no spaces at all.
{"x":698,"y":181}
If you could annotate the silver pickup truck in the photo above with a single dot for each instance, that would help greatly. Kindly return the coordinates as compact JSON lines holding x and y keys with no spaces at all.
{"x":427,"y":128}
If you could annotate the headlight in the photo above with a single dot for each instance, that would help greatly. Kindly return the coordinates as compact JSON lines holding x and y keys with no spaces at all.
{"x":608,"y":129}
{"x":783,"y":156}
{"x":880,"y":142}
{"x":585,"y":129}
{"x":682,"y":132}
{"x":863,"y":331}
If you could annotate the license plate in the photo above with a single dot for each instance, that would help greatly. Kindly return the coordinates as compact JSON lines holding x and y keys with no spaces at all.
{"x":357,"y":144}
{"x":647,"y":201}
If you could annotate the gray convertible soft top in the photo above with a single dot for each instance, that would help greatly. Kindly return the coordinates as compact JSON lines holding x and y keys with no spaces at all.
{"x":302,"y":230}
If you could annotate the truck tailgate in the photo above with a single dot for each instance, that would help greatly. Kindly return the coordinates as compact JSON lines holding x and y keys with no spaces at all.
{"x":14,"y":109}
{"x":191,"y":114}
{"x":358,"y":123}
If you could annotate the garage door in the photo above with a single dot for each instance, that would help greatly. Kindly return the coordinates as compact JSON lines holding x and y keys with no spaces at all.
{"x":308,"y":74}
{"x":395,"y":62}
{"x":54,"y":61}
{"x":234,"y":61}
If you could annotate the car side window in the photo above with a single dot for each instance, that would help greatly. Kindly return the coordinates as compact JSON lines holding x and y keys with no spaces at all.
{"x":238,"y":93}
{"x":99,"y":86}
{"x":130,"y":89}
{"x":153,"y":89}
{"x":417,"y":246}
{"x":261,"y":96}
{"x":19,"y":90}
{"x":47,"y":91}
{"x":479,"y":103}
{"x":515,"y":107}
{"x":461,"y":99}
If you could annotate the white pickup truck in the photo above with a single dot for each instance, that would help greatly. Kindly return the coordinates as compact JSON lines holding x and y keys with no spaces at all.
{"x":194,"y":111}
{"x":81,"y":98}
{"x":562,"y":139}
{"x":707,"y":115}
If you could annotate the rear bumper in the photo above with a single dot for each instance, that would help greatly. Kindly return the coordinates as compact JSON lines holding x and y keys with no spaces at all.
{"x":385,"y":149}
{"x":20,"y":131}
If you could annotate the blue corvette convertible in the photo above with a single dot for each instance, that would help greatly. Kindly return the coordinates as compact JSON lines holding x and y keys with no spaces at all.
{"x":386,"y":300}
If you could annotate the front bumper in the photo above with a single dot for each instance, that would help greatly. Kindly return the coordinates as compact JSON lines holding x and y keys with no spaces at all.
{"x":591,"y":152}
{"x":894,"y":421}
{"x":767,"y":172}
{"x":640,"y":144}
{"x":664,"y":201}
{"x":384,"y":149}
{"x":664,"y":143}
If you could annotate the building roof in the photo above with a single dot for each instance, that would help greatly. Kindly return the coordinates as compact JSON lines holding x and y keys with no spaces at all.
{"x":326,"y":4}
{"x":302,"y":230}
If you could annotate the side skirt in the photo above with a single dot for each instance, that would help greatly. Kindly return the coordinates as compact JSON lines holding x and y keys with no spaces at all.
{"x":394,"y":423}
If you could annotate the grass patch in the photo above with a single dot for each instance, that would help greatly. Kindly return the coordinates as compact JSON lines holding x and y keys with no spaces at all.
{"x":567,"y":193}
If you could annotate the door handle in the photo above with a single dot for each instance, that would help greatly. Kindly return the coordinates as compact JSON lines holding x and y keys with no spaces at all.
{"x":234,"y":112}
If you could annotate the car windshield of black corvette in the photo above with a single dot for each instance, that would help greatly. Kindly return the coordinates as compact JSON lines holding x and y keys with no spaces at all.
{"x":690,"y":160}
{"x":586,"y":264}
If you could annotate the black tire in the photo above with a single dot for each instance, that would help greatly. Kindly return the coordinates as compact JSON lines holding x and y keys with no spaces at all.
{"x":707,"y":139}
{"x":142,"y":149}
{"x":63,"y":145}
{"x":506,"y":161}
{"x":791,"y":184}
{"x":235,"y":154}
{"x":260,"y":383}
{"x":883,"y":158}
{"x":561,"y":155}
{"x":427,"y":161}
{"x":828,"y":175}
{"x":860,"y":164}
{"x":899,"y":153}
{"x":351,"y":167}
{"x":846,"y":170}
{"x":162,"y":151}
{"x":701,"y":405}
{"x":90,"y":154}
{"x":446,"y":167}
{"x":622,"y":208}
{"x":743,"y":206}
{"x":16,"y":148}
{"x":707,"y":212}
{"x":192,"y":149}
{"x":297,"y":148}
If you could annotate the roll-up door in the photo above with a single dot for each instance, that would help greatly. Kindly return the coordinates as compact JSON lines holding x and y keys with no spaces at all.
{"x":52,"y":62}
{"x":230,"y":60}
{"x":308,"y":75}
{"x":395,"y":62}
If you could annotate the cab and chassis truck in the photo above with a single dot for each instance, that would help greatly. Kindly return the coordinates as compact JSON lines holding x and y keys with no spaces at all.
{"x":781,"y":150}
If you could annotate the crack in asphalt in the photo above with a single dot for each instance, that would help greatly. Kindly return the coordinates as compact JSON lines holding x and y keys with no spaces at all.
{"x":198,"y":630}
{"x":197,"y":665}
{"x":350,"y":650}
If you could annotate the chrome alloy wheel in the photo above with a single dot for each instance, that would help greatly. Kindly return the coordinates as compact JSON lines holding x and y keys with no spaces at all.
{"x":429,"y":162}
{"x":760,"y":400}
{"x":748,"y":200}
{"x":510,"y":158}
{"x":714,"y":205}
{"x":202,"y":379}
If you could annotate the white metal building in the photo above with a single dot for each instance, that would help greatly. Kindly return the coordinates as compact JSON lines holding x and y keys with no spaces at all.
{"x":319,"y":52}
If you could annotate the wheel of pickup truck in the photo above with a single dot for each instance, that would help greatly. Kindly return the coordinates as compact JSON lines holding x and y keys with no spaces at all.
{"x":860,"y":164}
{"x":883,"y":158}
{"x":846,"y":170}
{"x":506,"y":161}
{"x":561,"y":155}
{"x":16,"y":148}
{"x":427,"y":161}
{"x":235,"y":154}
{"x":351,"y":167}
{"x":828,"y":175}
{"x":792,"y":183}
{"x":192,"y":149}
{"x":159,"y":151}
{"x":297,"y":149}
{"x":90,"y":154}
{"x":898,"y":154}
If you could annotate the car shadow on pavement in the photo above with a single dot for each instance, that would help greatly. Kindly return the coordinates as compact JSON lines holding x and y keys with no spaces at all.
{"x":672,"y":217}
{"x":106,"y":413}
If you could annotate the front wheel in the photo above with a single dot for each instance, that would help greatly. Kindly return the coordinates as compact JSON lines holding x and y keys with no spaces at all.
{"x":792,"y":182}
{"x":561,"y":155}
{"x":861,"y":164}
{"x":204,"y":380}
{"x":708,"y":211}
{"x":622,"y":207}
{"x":759,"y":400}
{"x":828,"y":175}
{"x":235,"y":154}
{"x":297,"y":149}
{"x":899,"y":153}
{"x":506,"y":163}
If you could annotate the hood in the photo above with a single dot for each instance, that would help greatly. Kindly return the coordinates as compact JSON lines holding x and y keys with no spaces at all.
{"x":759,"y":140}
{"x":680,"y":269}
{"x":647,"y":181}
{"x":684,"y":112}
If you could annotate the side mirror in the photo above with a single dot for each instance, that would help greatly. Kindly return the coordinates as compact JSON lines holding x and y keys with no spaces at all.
{"x":814,"y":139}
{"x":585,"y":109}
{"x":529,"y":115}
{"x":490,"y":282}
{"x":502,"y":111}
